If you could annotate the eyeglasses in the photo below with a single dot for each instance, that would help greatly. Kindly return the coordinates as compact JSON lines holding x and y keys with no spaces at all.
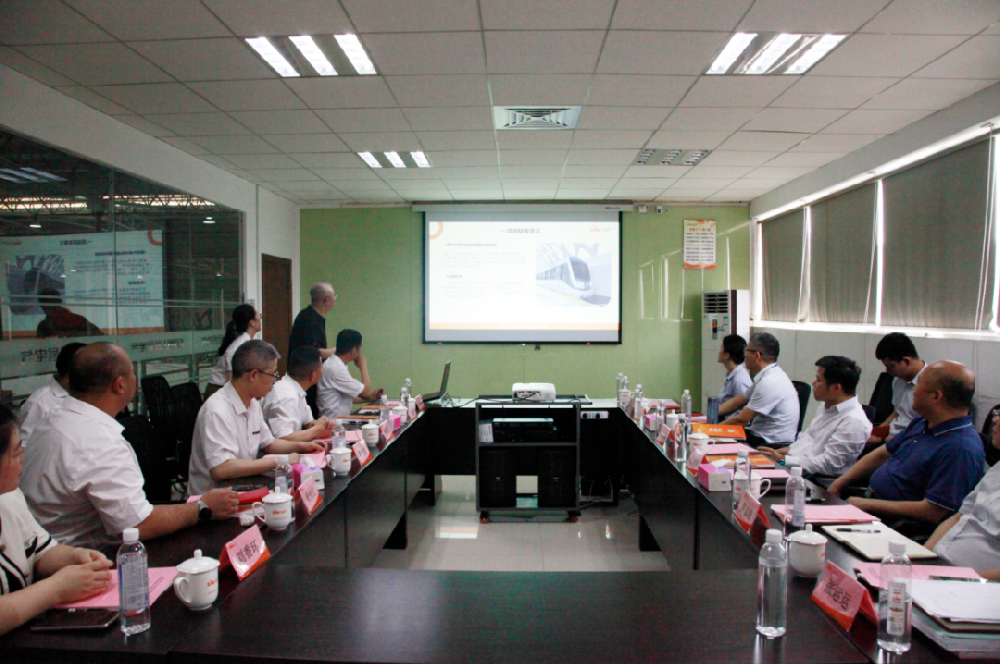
{"x":276,"y":375}
{"x":750,"y":350}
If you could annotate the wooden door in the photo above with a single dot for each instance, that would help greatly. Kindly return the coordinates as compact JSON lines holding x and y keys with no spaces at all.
{"x":277,"y":305}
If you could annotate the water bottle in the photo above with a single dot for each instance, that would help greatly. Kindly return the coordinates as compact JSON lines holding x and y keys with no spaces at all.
{"x":741,"y":476}
{"x":686,"y":404}
{"x":383,"y":408}
{"x":283,"y":477}
{"x":772,"y":586}
{"x":339,"y":436}
{"x":895,"y":599}
{"x":623,"y":393}
{"x":795,"y":501}
{"x":713,"y":410}
{"x":133,"y":584}
{"x":638,"y":411}
{"x":618,"y":384}
{"x":404,"y":394}
{"x":684,"y":430}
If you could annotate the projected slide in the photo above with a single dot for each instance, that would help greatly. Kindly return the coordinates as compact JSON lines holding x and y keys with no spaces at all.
{"x":523,"y":281}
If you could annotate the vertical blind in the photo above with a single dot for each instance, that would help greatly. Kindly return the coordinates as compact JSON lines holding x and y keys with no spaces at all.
{"x":782,"y":255}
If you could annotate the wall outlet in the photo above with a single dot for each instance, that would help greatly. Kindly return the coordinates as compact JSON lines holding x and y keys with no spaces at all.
{"x":594,"y":415}
{"x":643,"y":209}
{"x":659,"y":209}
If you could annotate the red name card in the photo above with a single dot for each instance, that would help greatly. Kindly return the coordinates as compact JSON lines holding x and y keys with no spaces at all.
{"x":309,"y":494}
{"x":385,"y":428}
{"x":412,"y":412}
{"x":360,"y":450}
{"x":419,"y":399}
{"x":841,"y":596}
{"x":749,"y":510}
{"x":245,"y":553}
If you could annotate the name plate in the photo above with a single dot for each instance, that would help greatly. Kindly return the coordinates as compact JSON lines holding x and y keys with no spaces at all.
{"x":747,"y":510}
{"x":385,"y":428}
{"x":412,"y":412}
{"x":842,"y":596}
{"x":309,"y":495}
{"x":245,"y":553}
{"x":419,"y":400}
{"x":360,"y":450}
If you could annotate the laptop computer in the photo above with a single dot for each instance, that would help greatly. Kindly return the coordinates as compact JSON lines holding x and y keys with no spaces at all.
{"x":444,"y":384}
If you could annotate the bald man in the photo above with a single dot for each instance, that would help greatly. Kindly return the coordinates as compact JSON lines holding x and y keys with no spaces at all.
{"x":81,"y":478}
{"x":309,"y":329}
{"x":926,"y":471}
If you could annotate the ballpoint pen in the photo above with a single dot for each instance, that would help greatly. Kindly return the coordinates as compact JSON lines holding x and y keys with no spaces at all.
{"x":870,"y":531}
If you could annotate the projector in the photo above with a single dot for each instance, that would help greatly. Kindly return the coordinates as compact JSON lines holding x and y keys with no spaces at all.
{"x":534,"y":391}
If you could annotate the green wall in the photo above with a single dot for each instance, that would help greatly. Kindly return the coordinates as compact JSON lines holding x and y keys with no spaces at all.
{"x":374,"y":258}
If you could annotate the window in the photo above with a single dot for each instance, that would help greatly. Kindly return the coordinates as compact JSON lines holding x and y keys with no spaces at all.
{"x":782,"y":266}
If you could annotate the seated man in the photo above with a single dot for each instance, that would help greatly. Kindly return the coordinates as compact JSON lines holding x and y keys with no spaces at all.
{"x":338,"y":390}
{"x":899,"y":357}
{"x":49,"y":396}
{"x":60,"y":321}
{"x":837,"y":434}
{"x":81,"y":478}
{"x":738,"y":378}
{"x":926,"y":471}
{"x":971,"y":538}
{"x":285,"y":409}
{"x":230,"y":429}
{"x":771,"y":405}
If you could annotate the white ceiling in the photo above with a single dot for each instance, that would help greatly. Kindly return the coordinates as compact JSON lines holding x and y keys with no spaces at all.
{"x":186,"y":76}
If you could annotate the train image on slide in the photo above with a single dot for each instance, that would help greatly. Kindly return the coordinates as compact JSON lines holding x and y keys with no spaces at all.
{"x":570,"y":276}
{"x":570,"y":280}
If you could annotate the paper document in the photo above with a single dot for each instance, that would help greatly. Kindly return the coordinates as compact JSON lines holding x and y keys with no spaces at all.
{"x":829,"y":514}
{"x":959,"y":600}
{"x":757,"y":461}
{"x":727,"y":448}
{"x":875,"y":546}
{"x":870,"y":572}
{"x":160,"y":578}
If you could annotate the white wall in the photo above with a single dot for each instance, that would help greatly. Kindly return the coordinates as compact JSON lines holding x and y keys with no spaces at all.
{"x":41,"y":113}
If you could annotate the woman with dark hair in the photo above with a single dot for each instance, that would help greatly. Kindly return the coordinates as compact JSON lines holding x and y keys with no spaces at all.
{"x":27,"y":550}
{"x":243,"y":327}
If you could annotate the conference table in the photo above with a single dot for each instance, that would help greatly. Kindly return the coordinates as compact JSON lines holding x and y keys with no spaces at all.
{"x":319,"y":599}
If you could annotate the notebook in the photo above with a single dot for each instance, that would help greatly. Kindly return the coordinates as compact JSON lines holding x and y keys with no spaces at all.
{"x":875,"y":546}
{"x":830,"y":514}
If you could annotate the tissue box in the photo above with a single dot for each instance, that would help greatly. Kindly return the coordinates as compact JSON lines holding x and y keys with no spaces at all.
{"x":714,"y":478}
{"x":651,"y":422}
{"x":304,"y":472}
{"x":397,"y":422}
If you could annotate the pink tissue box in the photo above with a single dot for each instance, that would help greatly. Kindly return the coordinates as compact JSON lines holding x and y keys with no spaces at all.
{"x":397,"y":422}
{"x":714,"y":478}
{"x":651,"y":422}
{"x":303,"y":472}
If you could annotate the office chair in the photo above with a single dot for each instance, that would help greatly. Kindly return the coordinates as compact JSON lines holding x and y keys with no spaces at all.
{"x":187,"y":402}
{"x":805,"y":391}
{"x":992,"y":453}
{"x":882,"y":398}
{"x":869,"y":413}
{"x":154,"y":450}
{"x":159,"y":402}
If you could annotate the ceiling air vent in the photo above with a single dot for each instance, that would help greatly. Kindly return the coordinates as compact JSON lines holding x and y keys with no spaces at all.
{"x":673,"y":157}
{"x":536,"y":117}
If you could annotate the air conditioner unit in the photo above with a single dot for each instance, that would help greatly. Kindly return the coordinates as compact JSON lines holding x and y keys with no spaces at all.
{"x":722,"y":313}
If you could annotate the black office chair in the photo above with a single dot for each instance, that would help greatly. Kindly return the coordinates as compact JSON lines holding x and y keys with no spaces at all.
{"x":154,"y":451}
{"x":869,"y":413}
{"x":159,"y":402}
{"x":992,"y":453}
{"x":805,"y":391}
{"x":882,"y":398}
{"x":187,"y":403}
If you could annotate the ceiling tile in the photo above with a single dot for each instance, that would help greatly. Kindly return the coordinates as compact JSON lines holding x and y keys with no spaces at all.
{"x":930,"y":94}
{"x":728,"y":197}
{"x":418,"y":187}
{"x":199,"y":124}
{"x":688,"y":140}
{"x":708,"y":172}
{"x":478,"y":195}
{"x":874,"y":122}
{"x":593,"y":171}
{"x":611,"y":117}
{"x":737,"y":158}
{"x":812,"y":159}
{"x":638,"y":90}
{"x":759,"y":183}
{"x":365,"y":120}
{"x":793,"y":119}
{"x":627,"y":52}
{"x":343,"y":160}
{"x":97,"y":64}
{"x":731,"y":91}
{"x":255,"y":161}
{"x":709,"y":119}
{"x":467,"y":172}
{"x":457,"y":140}
{"x":156,"y":98}
{"x":539,"y":89}
{"x":304,"y":143}
{"x":253,"y":18}
{"x":533,"y":15}
{"x":809,"y":15}
{"x":884,"y":55}
{"x":646,"y":172}
{"x":779,"y":172}
{"x":681,"y":195}
{"x":235,"y":144}
{"x":832,"y":91}
{"x":19,"y":62}
{"x":534,"y":140}
{"x":480,"y":183}
{"x":352,"y":175}
{"x":444,"y":53}
{"x":530,"y":183}
{"x":144,"y":125}
{"x":588,"y":183}
{"x":529,"y":194}
{"x":343,"y":92}
{"x":393,"y":174}
{"x":531,"y":157}
{"x":673,"y":14}
{"x":381,"y":141}
{"x":931,"y":17}
{"x":566,"y":194}
{"x":46,"y":22}
{"x":467,"y":118}
{"x":285,"y":174}
{"x":436,"y":91}
{"x":351,"y":186}
{"x":552,"y":51}
{"x":146,"y":19}
{"x":94,"y":100}
{"x":525,"y":171}
{"x":413,"y":15}
{"x":184,"y":144}
{"x":205,"y":59}
{"x":267,"y":95}
{"x":610,"y":139}
{"x":221,"y":162}
{"x":636,"y":193}
{"x":281,"y":122}
{"x":465,"y":158}
{"x":977,"y":58}
{"x":621,"y":157}
{"x":832,"y":143}
{"x":763,"y":141}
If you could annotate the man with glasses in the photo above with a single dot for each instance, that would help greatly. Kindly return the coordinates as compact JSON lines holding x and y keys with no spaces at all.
{"x":230,"y":431}
{"x":309,"y":329}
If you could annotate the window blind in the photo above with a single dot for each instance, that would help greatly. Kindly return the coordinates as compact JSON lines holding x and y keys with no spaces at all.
{"x":781,"y":251}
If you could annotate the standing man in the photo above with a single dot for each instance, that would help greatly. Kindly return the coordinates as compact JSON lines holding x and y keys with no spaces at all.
{"x":285,"y":409}
{"x":338,"y":390}
{"x":49,"y":396}
{"x":309,"y":329}
{"x":899,"y":357}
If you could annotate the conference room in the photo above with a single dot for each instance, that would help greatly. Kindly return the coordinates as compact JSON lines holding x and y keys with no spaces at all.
{"x":549,"y":196}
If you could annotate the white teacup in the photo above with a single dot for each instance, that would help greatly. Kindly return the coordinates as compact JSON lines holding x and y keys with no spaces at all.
{"x":807,"y":552}
{"x":197,"y":582}
{"x":402,"y":412}
{"x":340,"y":460}
{"x":698,"y":442}
{"x":756,"y":484}
{"x":276,"y":510}
{"x":369,"y":432}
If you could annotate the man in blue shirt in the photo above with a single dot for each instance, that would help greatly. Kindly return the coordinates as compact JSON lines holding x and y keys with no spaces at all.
{"x":738,"y":379}
{"x":925,"y":472}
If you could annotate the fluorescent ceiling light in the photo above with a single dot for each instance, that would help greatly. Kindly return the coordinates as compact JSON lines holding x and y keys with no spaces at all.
{"x":370,"y":159}
{"x":764,"y":60}
{"x":355,"y":52}
{"x":271,"y":56}
{"x":25,"y":176}
{"x":11,"y":179}
{"x":824,"y":45}
{"x":34,"y":225}
{"x":208,"y":220}
{"x":44,"y":174}
{"x":395,"y":159}
{"x":314,"y":55}
{"x":737,"y":44}
{"x":420,"y":159}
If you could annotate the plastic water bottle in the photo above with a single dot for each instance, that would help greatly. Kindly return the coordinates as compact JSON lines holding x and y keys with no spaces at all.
{"x":383,"y":408}
{"x":684,"y":433}
{"x":895,"y":599}
{"x":686,"y":404}
{"x":404,"y":394}
{"x":638,"y":411}
{"x":772,"y":586}
{"x":795,"y":501}
{"x":339,"y":436}
{"x":133,"y":584}
{"x":741,"y":476}
{"x":283,"y":477}
{"x":618,"y":384}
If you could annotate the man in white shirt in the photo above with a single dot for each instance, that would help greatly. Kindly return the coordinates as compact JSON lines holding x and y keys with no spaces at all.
{"x":738,"y":379}
{"x":49,"y":396}
{"x":81,"y":478}
{"x":285,"y":408}
{"x":338,"y":390}
{"x":899,"y":357}
{"x":770,"y":406}
{"x":837,"y":434}
{"x":230,"y":431}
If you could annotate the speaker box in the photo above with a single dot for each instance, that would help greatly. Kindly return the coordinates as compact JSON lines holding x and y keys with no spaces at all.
{"x":557,"y":478}
{"x":497,"y":478}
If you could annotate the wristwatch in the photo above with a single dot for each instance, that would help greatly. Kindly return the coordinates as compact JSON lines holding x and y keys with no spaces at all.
{"x":204,"y":511}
